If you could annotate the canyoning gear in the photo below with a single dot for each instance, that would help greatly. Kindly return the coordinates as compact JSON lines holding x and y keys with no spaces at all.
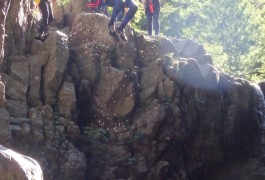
{"x":151,"y":7}
{"x":132,"y":6}
{"x":152,"y":12}
{"x":45,"y":7}
{"x":156,"y":3}
{"x":118,"y":6}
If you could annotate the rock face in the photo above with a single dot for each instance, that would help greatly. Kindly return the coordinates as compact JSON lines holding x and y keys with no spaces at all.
{"x":160,"y":116}
{"x":153,"y":108}
{"x":15,"y":166}
{"x":19,"y":22}
{"x":4,"y":5}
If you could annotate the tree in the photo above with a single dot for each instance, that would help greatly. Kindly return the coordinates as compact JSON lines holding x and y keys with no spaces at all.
{"x":230,"y":30}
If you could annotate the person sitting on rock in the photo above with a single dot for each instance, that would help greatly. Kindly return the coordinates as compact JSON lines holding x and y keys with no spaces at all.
{"x":152,"y":11}
{"x":46,"y":10}
{"x":118,"y":6}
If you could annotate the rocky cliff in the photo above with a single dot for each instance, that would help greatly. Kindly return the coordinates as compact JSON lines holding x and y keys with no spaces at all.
{"x":154,"y":108}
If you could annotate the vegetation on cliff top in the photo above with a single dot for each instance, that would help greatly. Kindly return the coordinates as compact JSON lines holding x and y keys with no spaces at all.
{"x":232,"y":31}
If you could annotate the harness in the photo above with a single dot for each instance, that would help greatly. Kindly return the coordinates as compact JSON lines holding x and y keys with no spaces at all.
{"x":151,"y":6}
{"x":92,"y":5}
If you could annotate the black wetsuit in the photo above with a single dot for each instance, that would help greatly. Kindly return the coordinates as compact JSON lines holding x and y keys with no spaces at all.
{"x":152,"y":17}
{"x":118,"y":6}
{"x":47,"y":15}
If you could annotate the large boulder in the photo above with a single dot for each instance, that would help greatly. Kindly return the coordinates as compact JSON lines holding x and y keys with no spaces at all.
{"x":14,"y":89}
{"x":18,"y":27}
{"x":115,"y":93}
{"x":65,"y":14}
{"x":90,"y":28}
{"x":15,"y":166}
{"x":53,"y":70}
{"x":35,"y":67}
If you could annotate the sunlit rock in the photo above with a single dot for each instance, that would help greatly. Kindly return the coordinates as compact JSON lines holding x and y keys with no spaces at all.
{"x":16,"y":166}
{"x":53,"y":71}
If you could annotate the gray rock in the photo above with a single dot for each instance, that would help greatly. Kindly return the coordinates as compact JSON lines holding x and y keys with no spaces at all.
{"x":57,"y":46}
{"x":14,"y":89}
{"x":17,"y":108}
{"x":74,"y":166}
{"x":3,"y":14}
{"x":19,"y":69}
{"x":35,"y":78}
{"x":188,"y":48}
{"x":18,"y":167}
{"x":67,"y":100}
{"x":5,"y":135}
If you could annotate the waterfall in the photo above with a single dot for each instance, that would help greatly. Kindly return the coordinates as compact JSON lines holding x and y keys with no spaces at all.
{"x":259,"y":105}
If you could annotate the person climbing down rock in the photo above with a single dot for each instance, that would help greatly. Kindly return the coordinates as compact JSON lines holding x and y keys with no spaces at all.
{"x":118,"y":6}
{"x":152,"y":11}
{"x":46,"y":10}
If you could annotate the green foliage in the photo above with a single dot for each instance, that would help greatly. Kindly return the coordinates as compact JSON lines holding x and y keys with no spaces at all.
{"x":62,"y":2}
{"x":232,"y":31}
{"x":139,"y":20}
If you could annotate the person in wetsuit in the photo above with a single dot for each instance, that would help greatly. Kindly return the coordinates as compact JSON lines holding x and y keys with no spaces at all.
{"x":118,"y":6}
{"x":152,"y":11}
{"x":47,"y":16}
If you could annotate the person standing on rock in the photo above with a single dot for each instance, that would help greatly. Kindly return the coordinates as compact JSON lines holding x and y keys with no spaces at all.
{"x":152,"y":11}
{"x":118,"y":6}
{"x":46,"y":9}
